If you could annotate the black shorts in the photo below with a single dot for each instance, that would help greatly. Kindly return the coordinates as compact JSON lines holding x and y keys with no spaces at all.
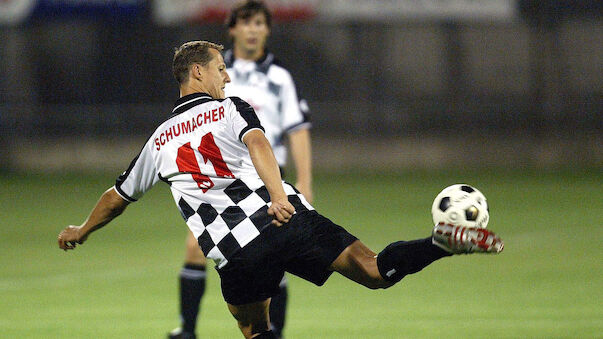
{"x":305,"y":246}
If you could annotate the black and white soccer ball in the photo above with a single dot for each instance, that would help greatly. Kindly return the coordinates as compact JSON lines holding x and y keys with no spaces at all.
{"x":461,"y":205}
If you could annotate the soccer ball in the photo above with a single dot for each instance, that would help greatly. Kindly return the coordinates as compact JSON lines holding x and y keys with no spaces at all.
{"x":460,"y":205}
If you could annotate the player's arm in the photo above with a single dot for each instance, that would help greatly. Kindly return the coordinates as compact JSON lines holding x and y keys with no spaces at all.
{"x":108,"y":207}
{"x":267,"y":167}
{"x":301,"y":152}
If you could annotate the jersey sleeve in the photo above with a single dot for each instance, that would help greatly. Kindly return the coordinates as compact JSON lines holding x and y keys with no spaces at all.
{"x":140,"y":176}
{"x":295,"y":111}
{"x":244,"y":118}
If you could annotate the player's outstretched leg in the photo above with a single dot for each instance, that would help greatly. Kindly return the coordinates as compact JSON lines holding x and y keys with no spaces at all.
{"x":192,"y":288}
{"x":358,"y":263}
{"x":278,"y":309}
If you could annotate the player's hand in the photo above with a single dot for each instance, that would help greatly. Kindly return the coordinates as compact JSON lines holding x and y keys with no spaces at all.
{"x":281,"y":210}
{"x":70,"y":237}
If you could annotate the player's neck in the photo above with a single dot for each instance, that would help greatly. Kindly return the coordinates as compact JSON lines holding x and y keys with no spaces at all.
{"x":191,"y":89}
{"x":243,"y":54}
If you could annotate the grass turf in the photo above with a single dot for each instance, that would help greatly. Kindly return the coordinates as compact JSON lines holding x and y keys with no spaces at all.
{"x":123,"y":282}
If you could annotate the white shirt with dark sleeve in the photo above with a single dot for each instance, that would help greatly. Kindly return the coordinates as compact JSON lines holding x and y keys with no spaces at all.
{"x":199,"y":152}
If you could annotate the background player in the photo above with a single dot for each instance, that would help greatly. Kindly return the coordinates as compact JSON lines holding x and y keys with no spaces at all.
{"x":253,"y":225}
{"x":258,"y":78}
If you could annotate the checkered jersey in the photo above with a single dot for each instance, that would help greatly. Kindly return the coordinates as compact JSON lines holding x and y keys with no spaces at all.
{"x":270,"y":90}
{"x":199,"y":152}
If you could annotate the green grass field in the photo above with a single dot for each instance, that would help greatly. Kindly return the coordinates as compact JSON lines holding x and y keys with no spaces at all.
{"x":122,"y":283}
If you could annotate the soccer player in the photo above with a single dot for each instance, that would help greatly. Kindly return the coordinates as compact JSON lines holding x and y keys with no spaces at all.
{"x":257,"y":78}
{"x":226,"y":182}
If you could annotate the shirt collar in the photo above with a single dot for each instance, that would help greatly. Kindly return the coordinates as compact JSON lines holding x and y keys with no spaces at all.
{"x":190,"y":99}
{"x":263,"y":62}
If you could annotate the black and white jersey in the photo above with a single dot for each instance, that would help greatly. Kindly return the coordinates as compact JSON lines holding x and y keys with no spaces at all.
{"x":270,"y":90}
{"x":199,"y":152}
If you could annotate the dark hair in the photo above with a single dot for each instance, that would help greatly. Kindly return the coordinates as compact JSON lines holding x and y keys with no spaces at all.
{"x":246,"y":9}
{"x":192,"y":52}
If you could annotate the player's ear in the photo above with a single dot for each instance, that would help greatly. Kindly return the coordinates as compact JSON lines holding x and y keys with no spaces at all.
{"x":196,"y":71}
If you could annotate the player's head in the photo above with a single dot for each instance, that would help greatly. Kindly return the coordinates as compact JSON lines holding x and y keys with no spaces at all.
{"x":199,"y":66}
{"x":249,"y":26}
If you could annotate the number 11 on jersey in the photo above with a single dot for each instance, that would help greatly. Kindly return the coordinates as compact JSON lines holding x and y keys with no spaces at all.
{"x":187,"y":161}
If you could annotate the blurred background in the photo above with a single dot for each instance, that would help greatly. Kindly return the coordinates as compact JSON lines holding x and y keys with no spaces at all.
{"x":407,"y":97}
{"x":427,"y":83}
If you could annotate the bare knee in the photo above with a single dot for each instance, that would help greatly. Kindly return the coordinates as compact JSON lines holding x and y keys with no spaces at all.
{"x":193,"y":254}
{"x":358,"y":263}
